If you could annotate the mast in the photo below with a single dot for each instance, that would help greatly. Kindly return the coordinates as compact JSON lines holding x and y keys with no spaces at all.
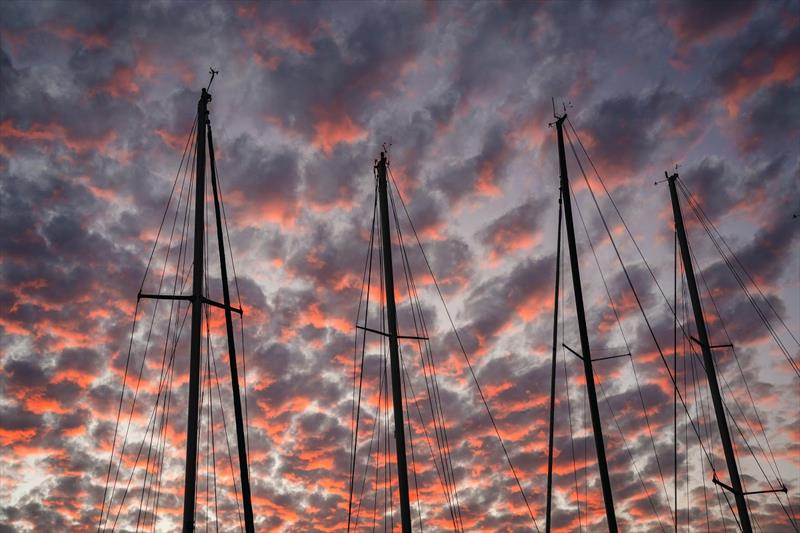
{"x":226,"y":300}
{"x":553,"y":376}
{"x":394,"y":358}
{"x":708,"y":362}
{"x":198,"y":299}
{"x":585,"y":354}
{"x":197,"y":318}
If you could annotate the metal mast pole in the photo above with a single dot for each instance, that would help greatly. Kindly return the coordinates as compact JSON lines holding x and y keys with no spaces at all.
{"x":553,"y":376}
{"x":391,"y":317}
{"x":197,"y":318}
{"x":708,"y":360}
{"x":226,"y":300}
{"x":586,"y":355}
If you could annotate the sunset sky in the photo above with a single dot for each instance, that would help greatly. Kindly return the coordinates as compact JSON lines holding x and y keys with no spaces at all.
{"x":96,"y":103}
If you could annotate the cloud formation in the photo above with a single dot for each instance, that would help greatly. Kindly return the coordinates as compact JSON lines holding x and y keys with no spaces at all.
{"x":96,"y":101}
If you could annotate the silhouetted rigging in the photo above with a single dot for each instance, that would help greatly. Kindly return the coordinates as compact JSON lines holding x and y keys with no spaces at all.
{"x":691,"y":356}
{"x":437,"y":440}
{"x":202,"y":363}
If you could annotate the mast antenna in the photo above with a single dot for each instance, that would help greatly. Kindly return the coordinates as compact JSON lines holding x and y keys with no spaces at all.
{"x":564,"y":106}
{"x":213,"y":73}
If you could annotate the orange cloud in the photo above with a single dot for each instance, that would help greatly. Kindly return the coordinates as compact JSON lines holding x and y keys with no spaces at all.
{"x":487,"y":179}
{"x":317,"y":319}
{"x":69,"y":33}
{"x":82,"y":379}
{"x":10,"y":436}
{"x":287,"y":37}
{"x":37,"y":402}
{"x":38,"y":132}
{"x":760,"y":70}
{"x":172,"y":140}
{"x":276,"y":211}
{"x":125,"y":80}
{"x":330,"y":131}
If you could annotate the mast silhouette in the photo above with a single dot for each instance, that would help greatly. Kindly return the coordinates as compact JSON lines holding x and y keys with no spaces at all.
{"x":190,"y":478}
{"x":198,"y":299}
{"x":226,"y":301}
{"x":553,"y":376}
{"x":585,"y":354}
{"x":391,"y":318}
{"x":708,"y":362}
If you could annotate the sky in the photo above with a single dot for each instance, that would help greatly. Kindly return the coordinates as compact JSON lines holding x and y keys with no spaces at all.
{"x":97,"y":100}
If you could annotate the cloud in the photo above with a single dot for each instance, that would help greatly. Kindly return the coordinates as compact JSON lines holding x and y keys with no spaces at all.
{"x":627,"y":133}
{"x":756,"y":62}
{"x":97,"y":104}
{"x":772,"y":121}
{"x":514,"y":230}
{"x":694,"y":23}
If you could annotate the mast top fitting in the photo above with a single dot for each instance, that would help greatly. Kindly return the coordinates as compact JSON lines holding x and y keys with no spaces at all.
{"x":213,"y":73}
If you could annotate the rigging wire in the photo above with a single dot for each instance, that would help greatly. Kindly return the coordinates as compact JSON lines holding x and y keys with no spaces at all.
{"x":444,"y":465}
{"x":242,"y":350}
{"x":553,"y":369}
{"x":464,"y":352}
{"x":569,"y":402}
{"x":378,"y":423}
{"x":774,"y":464}
{"x":715,"y":235}
{"x":420,"y":415}
{"x":706,"y":224}
{"x":147,"y":344}
{"x":403,"y":377}
{"x":690,"y":352}
{"x":152,"y":434}
{"x":428,"y":440}
{"x":686,"y":447}
{"x":369,"y":454}
{"x":151,"y":420}
{"x":730,"y":414}
{"x":180,"y":268}
{"x":156,"y":429}
{"x":434,"y":400}
{"x":630,"y":282}
{"x":384,"y":371}
{"x":176,"y":337}
{"x":627,"y":348}
{"x":698,"y":406}
{"x":627,"y":449}
{"x":709,"y":223}
{"x":125,"y":374}
{"x":675,"y":372}
{"x":700,"y":215}
{"x":639,"y":251}
{"x":636,"y":294}
{"x":356,"y":409}
{"x":227,"y":439}
{"x":165,"y":425}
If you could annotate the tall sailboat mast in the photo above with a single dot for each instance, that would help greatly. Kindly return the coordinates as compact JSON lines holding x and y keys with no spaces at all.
{"x":226,"y":301}
{"x":190,"y":478}
{"x":198,"y":299}
{"x":585,"y":354}
{"x":708,"y":362}
{"x":391,"y":318}
{"x":553,"y":377}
